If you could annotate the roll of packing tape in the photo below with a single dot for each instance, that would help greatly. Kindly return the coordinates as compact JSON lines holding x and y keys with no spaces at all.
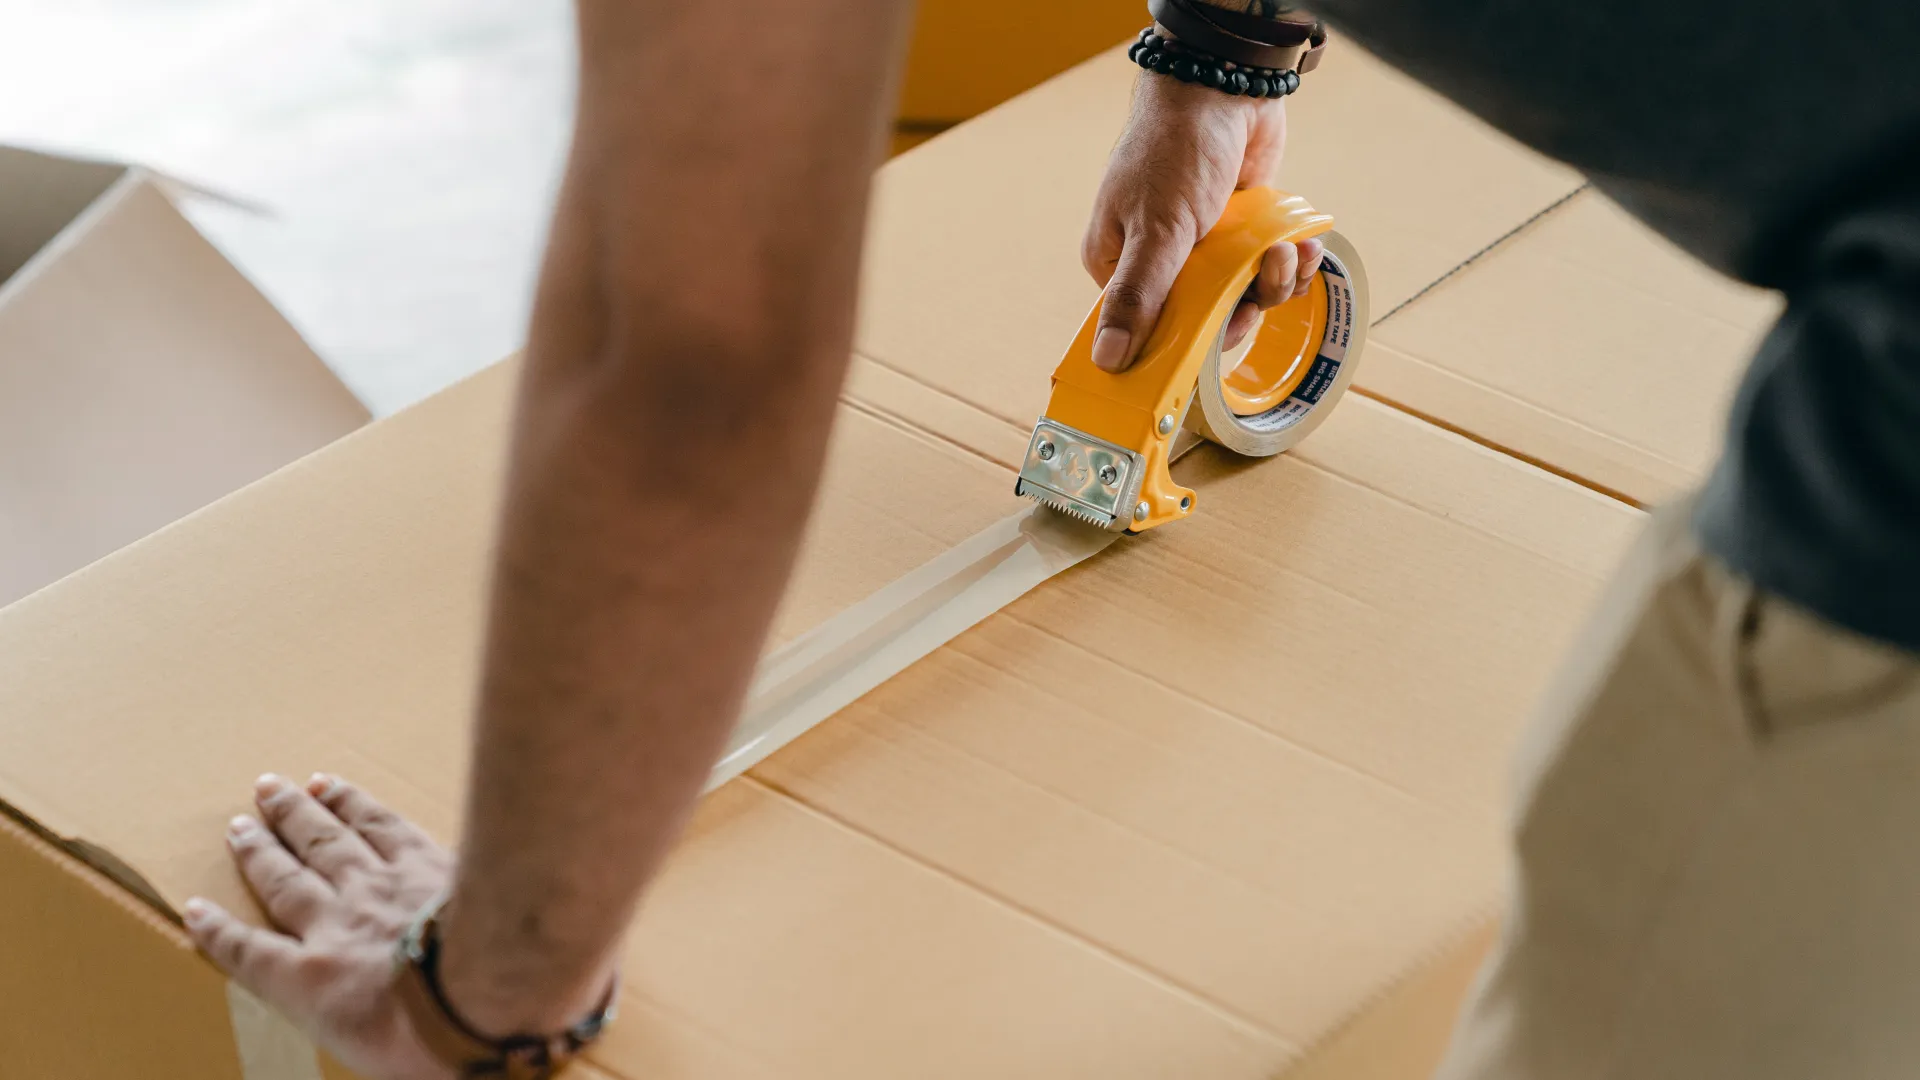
{"x":1101,"y":450}
{"x":1262,"y":398}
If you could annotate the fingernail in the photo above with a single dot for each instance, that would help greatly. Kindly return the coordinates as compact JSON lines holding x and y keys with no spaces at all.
{"x":320,"y":785}
{"x":240,"y":828}
{"x":1110,"y":348}
{"x":197,"y":911}
{"x":268,"y":786}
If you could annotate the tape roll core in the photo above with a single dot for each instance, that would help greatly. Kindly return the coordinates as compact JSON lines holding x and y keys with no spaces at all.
{"x":1295,"y":371}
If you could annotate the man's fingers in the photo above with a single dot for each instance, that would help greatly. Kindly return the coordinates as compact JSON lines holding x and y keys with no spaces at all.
{"x":1148,"y":264}
{"x":260,"y":960}
{"x":292,"y":894}
{"x":1246,"y":315}
{"x":386,"y":832}
{"x":1100,"y":248}
{"x":1309,"y":261}
{"x":1279,"y":270}
{"x":311,"y":831}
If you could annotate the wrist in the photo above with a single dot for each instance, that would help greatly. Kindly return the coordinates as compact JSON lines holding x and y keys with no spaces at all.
{"x":1160,"y":53}
{"x":498,"y":997}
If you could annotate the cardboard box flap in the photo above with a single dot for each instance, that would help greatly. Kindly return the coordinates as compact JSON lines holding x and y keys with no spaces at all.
{"x":141,"y":377}
{"x":1586,"y":342}
{"x":973,"y":284}
{"x":40,"y":195}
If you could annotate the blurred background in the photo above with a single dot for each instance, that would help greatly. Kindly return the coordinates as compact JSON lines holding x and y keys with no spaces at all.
{"x":404,"y":152}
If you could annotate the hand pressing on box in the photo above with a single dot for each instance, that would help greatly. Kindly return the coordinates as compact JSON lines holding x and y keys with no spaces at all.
{"x":1186,"y":149}
{"x":341,"y":877}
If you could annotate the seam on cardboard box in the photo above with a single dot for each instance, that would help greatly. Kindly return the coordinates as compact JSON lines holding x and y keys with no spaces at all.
{"x":1502,"y":449}
{"x":1493,"y":391}
{"x":1230,"y":715}
{"x":941,"y":391}
{"x":1221,"y":1011}
{"x":1478,"y":255}
{"x":1273,"y":569}
{"x":1507,"y":541}
{"x":909,"y":729}
{"x":919,"y":431}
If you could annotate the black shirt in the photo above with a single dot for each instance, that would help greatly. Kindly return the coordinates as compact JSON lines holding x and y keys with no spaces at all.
{"x":1779,"y":143}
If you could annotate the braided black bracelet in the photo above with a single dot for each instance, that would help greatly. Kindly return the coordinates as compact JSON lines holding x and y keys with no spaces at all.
{"x":1157,"y":54}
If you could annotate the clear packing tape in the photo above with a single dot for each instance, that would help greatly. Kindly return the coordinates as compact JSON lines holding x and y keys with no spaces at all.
{"x":1257,"y":400}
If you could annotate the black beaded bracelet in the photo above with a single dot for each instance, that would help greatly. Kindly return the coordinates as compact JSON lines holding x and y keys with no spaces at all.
{"x":1163,"y":56}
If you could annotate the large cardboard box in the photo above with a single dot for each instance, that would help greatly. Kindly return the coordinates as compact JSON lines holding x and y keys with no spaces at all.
{"x":141,"y":375}
{"x":1223,"y":801}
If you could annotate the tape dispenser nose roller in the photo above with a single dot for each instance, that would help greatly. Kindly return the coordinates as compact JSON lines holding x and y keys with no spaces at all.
{"x":1101,"y":451}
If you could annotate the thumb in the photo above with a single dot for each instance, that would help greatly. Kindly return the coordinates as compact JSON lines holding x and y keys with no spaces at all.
{"x":1149,"y":261}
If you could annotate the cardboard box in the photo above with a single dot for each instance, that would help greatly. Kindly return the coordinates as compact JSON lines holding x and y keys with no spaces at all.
{"x":1222,"y":801}
{"x":967,"y":56}
{"x":141,"y":376}
{"x":1585,"y":342}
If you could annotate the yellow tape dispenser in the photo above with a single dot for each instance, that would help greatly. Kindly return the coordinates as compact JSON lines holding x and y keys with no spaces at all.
{"x":1101,"y":451}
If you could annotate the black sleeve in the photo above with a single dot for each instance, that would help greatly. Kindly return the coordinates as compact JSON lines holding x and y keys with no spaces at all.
{"x":1719,"y":122}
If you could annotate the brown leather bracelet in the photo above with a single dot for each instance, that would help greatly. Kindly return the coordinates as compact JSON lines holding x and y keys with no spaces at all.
{"x":1288,"y":30}
{"x":454,"y":1043}
{"x":1247,"y":40}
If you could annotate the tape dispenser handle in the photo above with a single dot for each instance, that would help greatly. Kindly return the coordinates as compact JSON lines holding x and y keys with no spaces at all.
{"x":1133,"y":408}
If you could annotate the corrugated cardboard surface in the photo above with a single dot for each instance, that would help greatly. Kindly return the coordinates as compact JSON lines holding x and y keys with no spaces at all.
{"x":141,"y":376}
{"x":1585,"y":342}
{"x":1222,"y":801}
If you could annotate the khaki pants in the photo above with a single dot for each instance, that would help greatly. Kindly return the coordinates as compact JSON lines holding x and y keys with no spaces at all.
{"x":1718,"y":847}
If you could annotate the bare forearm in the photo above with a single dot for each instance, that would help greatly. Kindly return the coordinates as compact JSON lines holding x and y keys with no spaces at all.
{"x":688,"y":344}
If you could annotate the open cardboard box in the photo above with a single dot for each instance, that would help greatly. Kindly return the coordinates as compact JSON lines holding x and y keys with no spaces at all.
{"x":141,"y":375}
{"x":1223,"y":801}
